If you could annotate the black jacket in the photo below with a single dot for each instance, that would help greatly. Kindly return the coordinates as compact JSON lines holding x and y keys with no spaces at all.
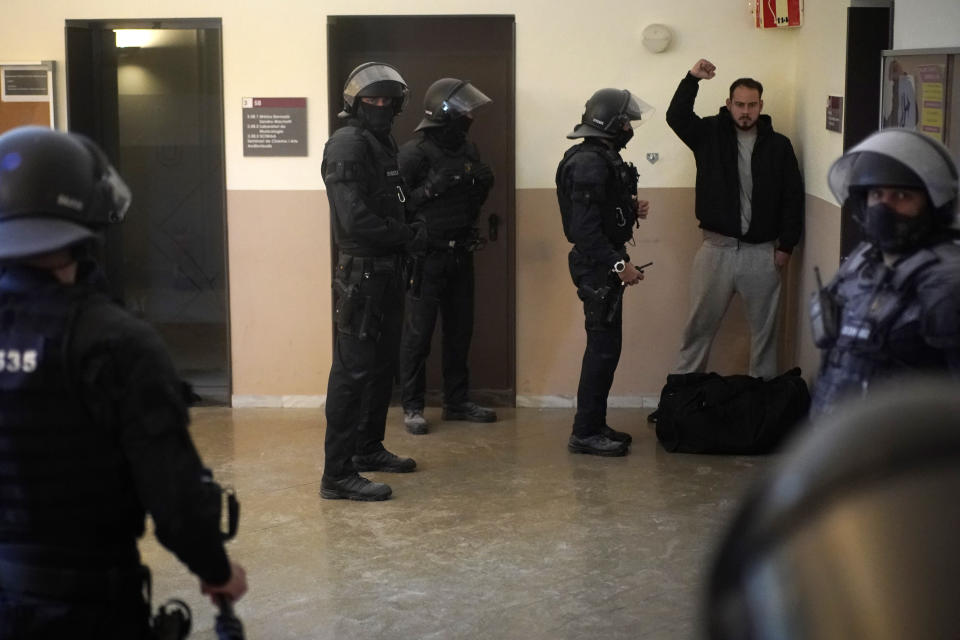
{"x":457,"y":208}
{"x":93,"y":433}
{"x":594,"y":186}
{"x":365,"y":192}
{"x":778,"y":196}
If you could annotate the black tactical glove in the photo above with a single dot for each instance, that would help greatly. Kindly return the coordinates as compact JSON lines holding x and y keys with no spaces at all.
{"x":481,"y":174}
{"x":439,"y":181}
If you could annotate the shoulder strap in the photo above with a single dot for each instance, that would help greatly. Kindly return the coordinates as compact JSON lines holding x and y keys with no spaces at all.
{"x":912,"y":266}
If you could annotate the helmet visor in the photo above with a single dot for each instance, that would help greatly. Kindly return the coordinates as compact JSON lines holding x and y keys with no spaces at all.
{"x":464,"y":100}
{"x":928,"y":159}
{"x":389,"y":83}
{"x":637,"y":110}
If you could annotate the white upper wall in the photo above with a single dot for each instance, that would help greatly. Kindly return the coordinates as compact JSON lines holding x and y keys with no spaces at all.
{"x":924,"y":24}
{"x":821,"y":61}
{"x":564,"y":53}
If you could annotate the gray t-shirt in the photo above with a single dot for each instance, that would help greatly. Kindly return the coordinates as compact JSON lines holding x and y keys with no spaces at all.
{"x":745,"y":142}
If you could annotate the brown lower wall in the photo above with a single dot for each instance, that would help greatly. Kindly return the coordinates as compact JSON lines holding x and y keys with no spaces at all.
{"x":821,"y":248}
{"x":551,"y":339}
{"x":279,"y":246}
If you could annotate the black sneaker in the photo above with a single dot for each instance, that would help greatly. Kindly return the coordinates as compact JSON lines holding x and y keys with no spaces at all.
{"x":469,"y":412}
{"x":613,"y":434}
{"x":354,"y":487}
{"x":597,"y":445}
{"x":415,"y":422}
{"x":383,"y":460}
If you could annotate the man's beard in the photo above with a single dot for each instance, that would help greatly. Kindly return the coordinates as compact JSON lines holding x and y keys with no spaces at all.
{"x":747,"y":127}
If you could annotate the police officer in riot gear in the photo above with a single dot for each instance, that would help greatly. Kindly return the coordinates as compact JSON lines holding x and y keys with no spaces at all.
{"x":852,"y":533}
{"x":448,"y":183}
{"x":597,"y":192}
{"x":366,"y":195}
{"x":893,"y":307}
{"x":93,"y":422}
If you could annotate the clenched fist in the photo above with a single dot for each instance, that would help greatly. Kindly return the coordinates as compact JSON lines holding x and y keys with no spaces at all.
{"x":704,"y":69}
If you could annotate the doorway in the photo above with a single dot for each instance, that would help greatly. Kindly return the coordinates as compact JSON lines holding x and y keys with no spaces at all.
{"x":151,"y":94}
{"x":479,"y":49}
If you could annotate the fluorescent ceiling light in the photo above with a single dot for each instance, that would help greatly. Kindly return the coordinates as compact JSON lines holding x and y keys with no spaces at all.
{"x":133,"y":37}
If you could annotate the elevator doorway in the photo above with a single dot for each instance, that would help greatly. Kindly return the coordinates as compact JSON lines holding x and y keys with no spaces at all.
{"x":151,"y":94}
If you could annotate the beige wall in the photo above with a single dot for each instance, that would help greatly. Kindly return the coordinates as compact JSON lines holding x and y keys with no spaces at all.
{"x":819,"y":72}
{"x":550,"y":317}
{"x":277,"y":215}
{"x":279,"y":295}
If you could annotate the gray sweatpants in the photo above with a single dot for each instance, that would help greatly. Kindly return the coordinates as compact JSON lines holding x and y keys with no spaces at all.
{"x":723,"y":266}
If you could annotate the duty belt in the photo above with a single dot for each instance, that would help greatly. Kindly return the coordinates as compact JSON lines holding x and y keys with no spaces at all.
{"x":371,"y":264}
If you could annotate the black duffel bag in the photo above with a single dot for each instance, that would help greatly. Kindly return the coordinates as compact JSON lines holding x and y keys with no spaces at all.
{"x":710,"y":413}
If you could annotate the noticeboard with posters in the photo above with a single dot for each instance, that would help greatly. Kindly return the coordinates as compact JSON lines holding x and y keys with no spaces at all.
{"x":920,"y":90}
{"x":26,"y":94}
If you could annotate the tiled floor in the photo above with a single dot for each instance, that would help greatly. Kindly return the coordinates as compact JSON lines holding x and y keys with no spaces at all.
{"x":499,"y":534}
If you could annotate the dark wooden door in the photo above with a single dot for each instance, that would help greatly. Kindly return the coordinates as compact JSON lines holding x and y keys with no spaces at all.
{"x":479,"y":49}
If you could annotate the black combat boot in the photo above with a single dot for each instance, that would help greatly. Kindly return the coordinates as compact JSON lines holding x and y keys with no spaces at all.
{"x":597,"y":445}
{"x":354,"y":487}
{"x":469,"y":412}
{"x":613,"y":434}
{"x":383,"y":460}
{"x":414,"y":421}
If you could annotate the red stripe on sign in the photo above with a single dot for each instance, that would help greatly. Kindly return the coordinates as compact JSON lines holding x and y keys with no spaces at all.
{"x":769,"y":13}
{"x":279,"y":102}
{"x":794,"y":13}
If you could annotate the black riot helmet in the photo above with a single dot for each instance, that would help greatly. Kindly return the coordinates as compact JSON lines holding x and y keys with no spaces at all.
{"x":56,"y":189}
{"x":898,"y":158}
{"x":607,"y":111}
{"x":843,"y":540}
{"x":448,"y":99}
{"x":374,"y":80}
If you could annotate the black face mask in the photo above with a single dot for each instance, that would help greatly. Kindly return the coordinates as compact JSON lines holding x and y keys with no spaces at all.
{"x":377,"y":119}
{"x":622,"y":138}
{"x":453,"y":134}
{"x":892,"y":232}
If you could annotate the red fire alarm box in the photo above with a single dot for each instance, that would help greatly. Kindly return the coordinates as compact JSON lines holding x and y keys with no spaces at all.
{"x":772,"y":14}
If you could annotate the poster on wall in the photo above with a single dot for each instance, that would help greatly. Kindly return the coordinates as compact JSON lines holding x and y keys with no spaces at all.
{"x":26,"y":94}
{"x":914,"y":93}
{"x":932,"y":99}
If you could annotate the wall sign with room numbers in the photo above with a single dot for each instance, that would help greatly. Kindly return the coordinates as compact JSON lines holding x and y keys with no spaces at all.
{"x":275,"y":126}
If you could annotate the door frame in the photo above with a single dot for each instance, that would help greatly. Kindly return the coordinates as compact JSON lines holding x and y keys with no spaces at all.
{"x":89,"y":121}
{"x":506,"y":397}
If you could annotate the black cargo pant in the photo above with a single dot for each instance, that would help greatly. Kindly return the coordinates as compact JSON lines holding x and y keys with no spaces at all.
{"x":369,"y":314}
{"x":53,"y":604}
{"x":446,"y":287}
{"x":602,"y":294}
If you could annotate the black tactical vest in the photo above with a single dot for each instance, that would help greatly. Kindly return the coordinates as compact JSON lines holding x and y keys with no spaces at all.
{"x":456,"y":208}
{"x":384,"y":194}
{"x":880,"y":325}
{"x":617,"y":201}
{"x":63,"y":479}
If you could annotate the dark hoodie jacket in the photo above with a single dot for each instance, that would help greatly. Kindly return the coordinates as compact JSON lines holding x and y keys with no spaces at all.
{"x":778,"y":196}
